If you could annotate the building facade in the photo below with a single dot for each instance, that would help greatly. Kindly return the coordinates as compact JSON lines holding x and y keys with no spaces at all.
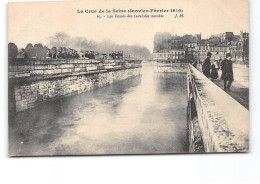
{"x":168,"y":47}
{"x":175,"y":48}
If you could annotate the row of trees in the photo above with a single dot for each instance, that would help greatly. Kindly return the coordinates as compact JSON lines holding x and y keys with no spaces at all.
{"x":30,"y":51}
{"x":12,"y":50}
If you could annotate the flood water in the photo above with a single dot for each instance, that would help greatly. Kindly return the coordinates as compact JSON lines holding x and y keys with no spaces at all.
{"x":142,"y":115}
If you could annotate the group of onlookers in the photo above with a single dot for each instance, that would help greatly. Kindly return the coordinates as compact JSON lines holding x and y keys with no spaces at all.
{"x":116,"y":55}
{"x":90,"y":54}
{"x":95,"y":55}
{"x":210,"y":70}
{"x":39,"y":51}
{"x":62,"y":53}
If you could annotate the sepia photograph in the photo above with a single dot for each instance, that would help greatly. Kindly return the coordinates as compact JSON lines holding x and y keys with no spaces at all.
{"x":128,"y":77}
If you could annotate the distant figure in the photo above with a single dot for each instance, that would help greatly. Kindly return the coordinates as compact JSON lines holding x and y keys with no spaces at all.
{"x":214,"y":71}
{"x":219,"y":63}
{"x":195,"y":63}
{"x":86,"y":54}
{"x":113,"y":54}
{"x":49,"y":54}
{"x":206,"y":65}
{"x":121,"y":55}
{"x":227,"y":72}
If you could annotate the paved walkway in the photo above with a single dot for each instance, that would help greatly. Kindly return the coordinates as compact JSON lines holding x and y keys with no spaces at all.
{"x":240,"y":86}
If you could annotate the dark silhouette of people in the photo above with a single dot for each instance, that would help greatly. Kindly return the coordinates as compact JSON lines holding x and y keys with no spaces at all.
{"x":227,"y":72}
{"x":64,"y":53}
{"x":195,"y":63}
{"x":86,"y":54}
{"x":206,"y":65}
{"x":214,"y":71}
{"x":116,"y":55}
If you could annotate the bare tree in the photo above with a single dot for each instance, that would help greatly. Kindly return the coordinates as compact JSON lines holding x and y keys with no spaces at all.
{"x":59,"y":40}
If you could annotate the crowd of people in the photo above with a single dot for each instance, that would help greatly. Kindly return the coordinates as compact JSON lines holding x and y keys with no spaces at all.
{"x":210,"y":69}
{"x":39,"y":51}
{"x":90,"y":54}
{"x":112,"y":55}
{"x":116,"y":55}
{"x":62,"y":53}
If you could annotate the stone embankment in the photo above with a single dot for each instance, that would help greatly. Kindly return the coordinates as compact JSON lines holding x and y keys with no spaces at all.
{"x":32,"y":82}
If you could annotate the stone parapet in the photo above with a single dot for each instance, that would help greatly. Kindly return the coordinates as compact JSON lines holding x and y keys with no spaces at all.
{"x":21,"y":68}
{"x":223,"y":122}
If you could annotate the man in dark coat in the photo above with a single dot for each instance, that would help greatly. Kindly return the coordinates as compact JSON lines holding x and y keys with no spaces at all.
{"x":206,"y":65}
{"x":227,"y":72}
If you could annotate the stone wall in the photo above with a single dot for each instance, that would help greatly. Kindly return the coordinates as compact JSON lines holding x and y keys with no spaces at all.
{"x":21,"y":68}
{"x":196,"y":144}
{"x":31,"y":85}
{"x":221,"y":121}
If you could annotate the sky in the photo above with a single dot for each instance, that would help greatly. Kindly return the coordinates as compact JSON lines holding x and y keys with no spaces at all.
{"x":35,"y":22}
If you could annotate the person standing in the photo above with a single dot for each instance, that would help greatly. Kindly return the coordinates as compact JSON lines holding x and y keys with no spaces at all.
{"x":227,"y":72}
{"x":206,"y":65}
{"x":195,"y":63}
{"x":214,"y":71}
{"x":219,"y":63}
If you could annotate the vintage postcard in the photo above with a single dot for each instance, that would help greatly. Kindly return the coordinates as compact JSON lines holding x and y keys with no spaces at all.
{"x":128,"y":77}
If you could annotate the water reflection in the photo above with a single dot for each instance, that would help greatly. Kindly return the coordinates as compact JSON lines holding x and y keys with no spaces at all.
{"x":141,"y":115}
